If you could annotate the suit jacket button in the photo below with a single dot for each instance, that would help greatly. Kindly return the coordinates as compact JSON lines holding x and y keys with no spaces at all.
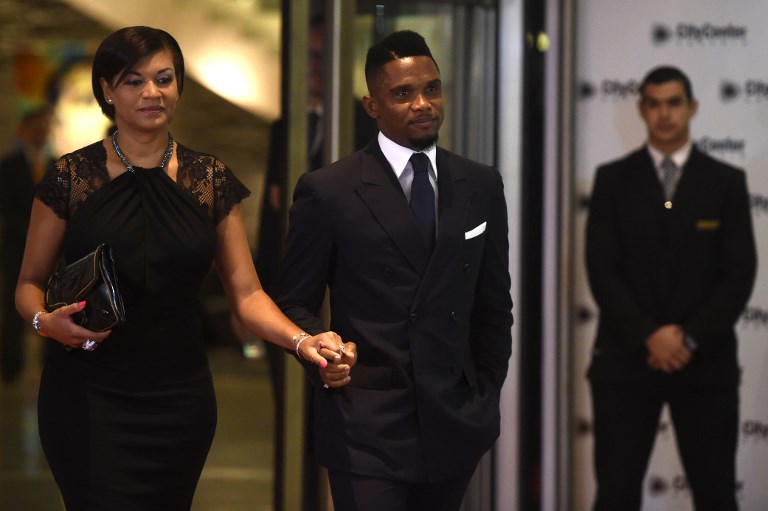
{"x":467,"y":267}
{"x":452,"y":315}
{"x":413,"y":317}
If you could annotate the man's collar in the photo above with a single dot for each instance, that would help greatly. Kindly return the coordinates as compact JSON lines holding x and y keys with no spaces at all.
{"x":680,"y":157}
{"x":398,"y":156}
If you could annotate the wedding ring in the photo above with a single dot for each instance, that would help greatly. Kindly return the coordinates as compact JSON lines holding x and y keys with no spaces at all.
{"x":342,"y":348}
{"x":89,"y":345}
{"x":325,"y":386}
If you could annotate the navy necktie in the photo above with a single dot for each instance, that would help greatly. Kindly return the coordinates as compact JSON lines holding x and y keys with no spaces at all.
{"x":423,"y":198}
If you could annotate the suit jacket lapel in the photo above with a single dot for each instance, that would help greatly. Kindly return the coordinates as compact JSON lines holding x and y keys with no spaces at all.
{"x":645,"y":180}
{"x":384,"y":197}
{"x":453,"y":203}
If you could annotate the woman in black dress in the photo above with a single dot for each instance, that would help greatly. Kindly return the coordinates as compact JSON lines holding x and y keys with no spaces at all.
{"x":126,"y":422}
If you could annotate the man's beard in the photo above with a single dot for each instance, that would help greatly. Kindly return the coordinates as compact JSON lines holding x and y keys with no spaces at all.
{"x":424,"y":143}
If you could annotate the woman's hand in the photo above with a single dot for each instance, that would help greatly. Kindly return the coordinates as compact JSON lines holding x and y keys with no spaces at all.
{"x":321,"y":348}
{"x":59,"y":325}
{"x":336,"y":374}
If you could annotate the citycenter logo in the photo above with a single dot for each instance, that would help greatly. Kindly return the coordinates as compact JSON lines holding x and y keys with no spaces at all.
{"x":753,"y":89}
{"x":677,"y":485}
{"x":754,"y":430}
{"x":692,"y":33}
{"x":722,"y":146}
{"x":729,"y":90}
{"x":759,"y":203}
{"x":755,"y":316}
{"x":609,"y":88}
{"x":659,"y":485}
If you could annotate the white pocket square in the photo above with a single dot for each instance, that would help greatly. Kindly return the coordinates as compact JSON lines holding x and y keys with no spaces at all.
{"x":477,"y":231}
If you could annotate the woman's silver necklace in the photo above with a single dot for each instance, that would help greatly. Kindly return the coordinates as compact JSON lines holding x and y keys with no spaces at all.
{"x":166,"y":155}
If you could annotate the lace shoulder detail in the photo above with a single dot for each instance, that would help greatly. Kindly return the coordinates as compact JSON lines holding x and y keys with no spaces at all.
{"x":72,"y":179}
{"x":77,"y":175}
{"x":209,"y":181}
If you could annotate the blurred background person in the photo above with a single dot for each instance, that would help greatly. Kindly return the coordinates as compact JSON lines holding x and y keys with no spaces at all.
{"x":671,"y":259}
{"x":20,"y":169}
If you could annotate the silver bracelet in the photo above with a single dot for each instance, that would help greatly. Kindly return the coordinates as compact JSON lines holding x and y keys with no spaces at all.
{"x":297,"y":340}
{"x":36,"y":321}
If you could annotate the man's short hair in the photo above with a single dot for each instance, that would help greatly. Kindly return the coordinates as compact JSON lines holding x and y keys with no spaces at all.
{"x":664,"y":74}
{"x":397,"y":45}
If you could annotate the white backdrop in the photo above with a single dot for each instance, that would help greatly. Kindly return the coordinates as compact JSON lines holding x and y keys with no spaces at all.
{"x":723,"y":47}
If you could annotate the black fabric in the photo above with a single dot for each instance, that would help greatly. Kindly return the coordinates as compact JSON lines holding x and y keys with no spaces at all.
{"x":626,"y":422}
{"x":423,"y":198}
{"x":135,"y":418}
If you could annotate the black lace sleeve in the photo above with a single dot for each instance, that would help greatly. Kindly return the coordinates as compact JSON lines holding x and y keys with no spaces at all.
{"x":72,"y":179}
{"x":228,"y":191}
{"x":54,"y":188}
{"x":210,"y":182}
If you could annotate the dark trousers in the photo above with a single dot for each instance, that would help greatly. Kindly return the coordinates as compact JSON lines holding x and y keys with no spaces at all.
{"x":362,"y":493}
{"x":626,"y":418}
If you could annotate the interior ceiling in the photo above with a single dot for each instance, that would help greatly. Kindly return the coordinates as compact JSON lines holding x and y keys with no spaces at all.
{"x":232,"y":47}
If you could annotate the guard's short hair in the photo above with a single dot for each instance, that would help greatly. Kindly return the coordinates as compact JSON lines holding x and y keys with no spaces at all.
{"x":664,"y":74}
{"x":397,"y":45}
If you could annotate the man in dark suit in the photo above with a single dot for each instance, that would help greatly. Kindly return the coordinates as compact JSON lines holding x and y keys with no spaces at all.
{"x":20,"y":169}
{"x":421,"y":288}
{"x":671,"y":260}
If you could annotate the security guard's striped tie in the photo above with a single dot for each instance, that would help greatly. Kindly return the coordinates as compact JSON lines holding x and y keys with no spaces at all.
{"x":669,"y":172}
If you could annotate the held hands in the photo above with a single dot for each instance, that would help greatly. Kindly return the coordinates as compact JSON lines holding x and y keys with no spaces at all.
{"x":59,"y":325}
{"x":336,"y":374}
{"x":666,"y":349}
{"x":334,"y":357}
{"x":318,"y":349}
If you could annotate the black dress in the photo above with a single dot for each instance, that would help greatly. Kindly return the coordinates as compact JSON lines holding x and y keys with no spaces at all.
{"x":129,"y":425}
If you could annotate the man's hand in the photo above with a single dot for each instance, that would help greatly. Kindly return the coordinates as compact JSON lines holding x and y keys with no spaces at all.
{"x":667,"y":350}
{"x":336,"y":374}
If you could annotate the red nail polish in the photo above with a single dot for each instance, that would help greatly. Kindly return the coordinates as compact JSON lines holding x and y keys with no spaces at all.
{"x":81,"y":304}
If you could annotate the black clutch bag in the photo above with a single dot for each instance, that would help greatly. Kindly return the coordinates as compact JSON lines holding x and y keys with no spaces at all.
{"x":92,"y":279}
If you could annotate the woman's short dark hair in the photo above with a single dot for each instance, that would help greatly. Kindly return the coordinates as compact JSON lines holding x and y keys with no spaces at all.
{"x":121,"y":50}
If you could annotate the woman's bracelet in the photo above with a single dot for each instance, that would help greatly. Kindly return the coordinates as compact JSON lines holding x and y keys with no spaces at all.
{"x":297,"y":340}
{"x":36,"y":321}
